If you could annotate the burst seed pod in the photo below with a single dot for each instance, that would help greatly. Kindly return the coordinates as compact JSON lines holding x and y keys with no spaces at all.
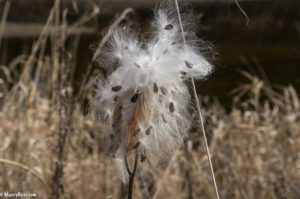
{"x":141,"y":103}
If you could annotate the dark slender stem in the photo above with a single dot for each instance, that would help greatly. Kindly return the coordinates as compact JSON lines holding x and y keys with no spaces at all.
{"x":131,"y":173}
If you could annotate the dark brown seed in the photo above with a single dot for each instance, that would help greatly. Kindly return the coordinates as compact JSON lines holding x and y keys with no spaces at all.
{"x":136,"y":132}
{"x":116,"y":88}
{"x":155,"y":88}
{"x":188,"y":64}
{"x":172,"y":44}
{"x":134,"y":98}
{"x":143,"y":158}
{"x":149,"y":129}
{"x":163,"y":90}
{"x":137,"y":145}
{"x":163,"y":117}
{"x":137,"y":65}
{"x":169,"y":27}
{"x":172,"y":107}
{"x":116,"y":98}
{"x":183,"y":72}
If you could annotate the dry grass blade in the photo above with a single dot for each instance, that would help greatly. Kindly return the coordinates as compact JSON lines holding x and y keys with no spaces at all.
{"x":243,"y":11}
{"x":25,"y":75}
{"x":199,"y":112}
{"x":166,"y":172}
{"x":23,"y":166}
{"x":3,"y":20}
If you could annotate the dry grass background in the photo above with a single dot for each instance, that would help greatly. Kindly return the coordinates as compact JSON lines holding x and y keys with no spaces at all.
{"x":49,"y":145}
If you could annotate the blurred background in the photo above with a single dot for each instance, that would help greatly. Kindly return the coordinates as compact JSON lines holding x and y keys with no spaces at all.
{"x":268,"y":46}
{"x":52,"y":145}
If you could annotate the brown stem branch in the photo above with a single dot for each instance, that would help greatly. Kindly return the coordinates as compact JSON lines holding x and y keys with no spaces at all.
{"x":131,"y":173}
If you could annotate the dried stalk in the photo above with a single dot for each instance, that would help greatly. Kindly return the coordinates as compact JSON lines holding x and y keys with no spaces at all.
{"x":3,"y":20}
{"x":199,"y":111}
{"x":35,"y":173}
{"x":65,"y":107}
{"x":131,"y":173}
{"x":243,"y":11}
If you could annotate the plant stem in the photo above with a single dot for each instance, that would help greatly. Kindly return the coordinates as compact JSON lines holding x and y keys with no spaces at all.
{"x":131,"y":173}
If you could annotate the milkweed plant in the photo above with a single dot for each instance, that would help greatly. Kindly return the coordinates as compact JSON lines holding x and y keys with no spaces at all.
{"x":145,"y":97}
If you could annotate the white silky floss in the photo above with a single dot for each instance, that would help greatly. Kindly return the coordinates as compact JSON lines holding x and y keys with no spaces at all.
{"x":158,"y":70}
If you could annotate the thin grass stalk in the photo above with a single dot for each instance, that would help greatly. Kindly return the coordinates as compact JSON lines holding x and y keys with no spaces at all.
{"x":3,"y":20}
{"x":64,"y":107}
{"x":131,"y":173}
{"x":189,"y":169}
{"x":199,"y":110}
{"x":166,"y":172}
{"x":243,"y":11}
{"x":36,"y":46}
{"x":25,"y":167}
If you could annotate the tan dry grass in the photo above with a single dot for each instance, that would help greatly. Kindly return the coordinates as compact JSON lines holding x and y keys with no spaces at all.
{"x":255,"y":154}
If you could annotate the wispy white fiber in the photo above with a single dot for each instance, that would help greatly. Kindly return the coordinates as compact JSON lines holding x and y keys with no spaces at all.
{"x":145,"y":96}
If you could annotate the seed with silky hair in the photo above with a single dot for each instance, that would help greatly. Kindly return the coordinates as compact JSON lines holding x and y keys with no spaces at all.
{"x":143,"y":158}
{"x":183,"y":72}
{"x":137,"y":145}
{"x":116,"y":98}
{"x":163,"y":118}
{"x":134,"y":98}
{"x":137,"y":65}
{"x":169,"y":27}
{"x":188,"y":64}
{"x":136,"y":132}
{"x":116,"y":88}
{"x":172,"y":107}
{"x":155,"y":88}
{"x":149,"y":129}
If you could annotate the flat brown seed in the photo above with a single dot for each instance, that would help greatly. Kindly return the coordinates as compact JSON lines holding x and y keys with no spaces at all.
{"x":172,"y":44}
{"x":134,"y":98}
{"x":163,"y":90}
{"x":172,"y":107}
{"x":169,"y":27}
{"x":116,"y":98}
{"x":155,"y":88}
{"x":116,"y":88}
{"x":143,"y":158}
{"x":149,"y":129}
{"x":163,"y":117}
{"x":136,"y":132}
{"x":137,"y":65}
{"x":137,"y":145}
{"x":183,"y":72}
{"x":188,"y":64}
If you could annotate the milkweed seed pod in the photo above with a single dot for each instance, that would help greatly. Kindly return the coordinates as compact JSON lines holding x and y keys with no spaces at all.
{"x":146,"y":97}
